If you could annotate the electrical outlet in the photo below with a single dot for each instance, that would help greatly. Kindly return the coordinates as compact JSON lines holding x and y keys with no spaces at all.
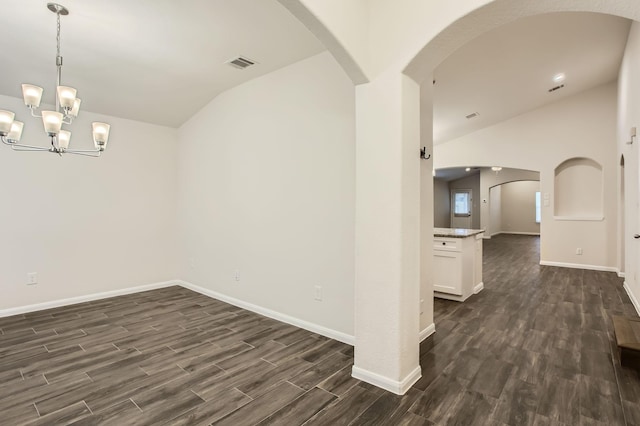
{"x":579,"y":251}
{"x":32,"y":278}
{"x":237,"y":275}
{"x":317,"y":293}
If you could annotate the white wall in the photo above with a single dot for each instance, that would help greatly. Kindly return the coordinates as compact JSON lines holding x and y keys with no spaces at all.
{"x":494,"y":221}
{"x":266,"y":187}
{"x":629,"y":116}
{"x":518,"y":207}
{"x":441,"y":204}
{"x":86,"y":225}
{"x":583,"y":125}
{"x":490,"y":179}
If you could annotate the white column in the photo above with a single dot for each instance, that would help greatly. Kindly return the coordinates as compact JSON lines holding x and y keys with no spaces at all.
{"x":387,"y":288}
{"x":427,"y":326}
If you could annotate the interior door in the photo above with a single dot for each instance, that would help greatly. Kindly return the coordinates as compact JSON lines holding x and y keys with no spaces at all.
{"x":461,"y":208}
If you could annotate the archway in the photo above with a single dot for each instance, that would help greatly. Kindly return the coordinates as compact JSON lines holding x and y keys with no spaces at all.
{"x":423,"y":65}
{"x":389,"y":175}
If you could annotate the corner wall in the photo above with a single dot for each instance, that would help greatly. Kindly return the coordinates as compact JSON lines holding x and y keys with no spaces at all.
{"x":490,"y":181}
{"x":86,"y":225}
{"x":518,"y":215}
{"x":267,"y":193}
{"x":441,"y":204}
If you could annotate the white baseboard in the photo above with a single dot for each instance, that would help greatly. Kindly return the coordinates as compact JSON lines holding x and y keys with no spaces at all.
{"x":620,"y":273}
{"x":82,"y":299}
{"x":632,"y":297}
{"x":580,"y":266}
{"x":315,"y":328}
{"x":478,"y":288}
{"x":487,"y":237}
{"x":428,"y":331}
{"x":399,"y":387}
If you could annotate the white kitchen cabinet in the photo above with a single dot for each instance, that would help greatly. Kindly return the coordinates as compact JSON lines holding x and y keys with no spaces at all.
{"x":457,"y":263}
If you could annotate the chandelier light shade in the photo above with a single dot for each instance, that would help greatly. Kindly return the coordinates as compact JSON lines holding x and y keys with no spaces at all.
{"x":32,"y":95}
{"x":63,"y":139}
{"x":52,"y":121}
{"x":6,"y":120}
{"x":67,"y":97}
{"x":16,"y":131}
{"x":67,"y":108}
{"x":100,"y":134}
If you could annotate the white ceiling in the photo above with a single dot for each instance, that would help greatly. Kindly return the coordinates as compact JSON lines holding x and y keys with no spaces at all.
{"x":157,"y":61}
{"x":508,"y":71}
{"x":455,"y":173}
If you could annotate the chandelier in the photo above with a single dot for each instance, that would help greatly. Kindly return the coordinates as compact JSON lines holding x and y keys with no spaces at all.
{"x":67,"y":107}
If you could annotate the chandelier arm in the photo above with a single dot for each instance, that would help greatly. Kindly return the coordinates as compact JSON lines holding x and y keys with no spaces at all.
{"x":86,"y":154}
{"x":17,"y":147}
{"x":33,"y":114}
{"x":27,"y":147}
{"x":82,"y":150}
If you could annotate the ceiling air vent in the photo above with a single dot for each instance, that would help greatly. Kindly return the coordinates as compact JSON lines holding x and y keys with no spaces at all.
{"x":241,"y":62}
{"x":553,"y":89}
{"x":472,"y":115}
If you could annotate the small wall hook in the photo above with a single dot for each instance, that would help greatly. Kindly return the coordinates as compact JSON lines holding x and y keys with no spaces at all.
{"x":633,"y":136}
{"x":423,"y":153}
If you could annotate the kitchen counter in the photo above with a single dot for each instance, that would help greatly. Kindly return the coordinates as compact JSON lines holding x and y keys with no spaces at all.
{"x":457,"y":263}
{"x":456,"y":232}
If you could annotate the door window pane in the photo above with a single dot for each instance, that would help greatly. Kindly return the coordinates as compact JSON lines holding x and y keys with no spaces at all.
{"x":462,"y":205}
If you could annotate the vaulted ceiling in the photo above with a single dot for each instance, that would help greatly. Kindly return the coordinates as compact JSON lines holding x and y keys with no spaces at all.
{"x":160,"y":61}
{"x":157,"y":61}
{"x":509,"y":71}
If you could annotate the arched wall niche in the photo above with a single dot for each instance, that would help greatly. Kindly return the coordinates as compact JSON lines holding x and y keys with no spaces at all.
{"x":578,"y":190}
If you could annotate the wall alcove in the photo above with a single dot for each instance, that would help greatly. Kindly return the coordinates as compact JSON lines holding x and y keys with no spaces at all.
{"x":578,"y":190}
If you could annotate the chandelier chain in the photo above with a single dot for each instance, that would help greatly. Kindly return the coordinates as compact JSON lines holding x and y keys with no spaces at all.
{"x":58,"y":35}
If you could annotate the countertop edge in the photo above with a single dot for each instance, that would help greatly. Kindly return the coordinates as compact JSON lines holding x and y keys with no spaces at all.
{"x":456,"y":233}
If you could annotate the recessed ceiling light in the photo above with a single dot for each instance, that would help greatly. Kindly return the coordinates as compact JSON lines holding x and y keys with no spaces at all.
{"x":468,"y":169}
{"x":496,"y":169}
{"x":559,"y":78}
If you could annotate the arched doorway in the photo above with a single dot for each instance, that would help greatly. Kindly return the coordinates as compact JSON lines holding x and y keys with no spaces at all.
{"x":388,"y":281}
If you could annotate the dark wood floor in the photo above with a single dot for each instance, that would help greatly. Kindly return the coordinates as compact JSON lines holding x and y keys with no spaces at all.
{"x":535,"y":347}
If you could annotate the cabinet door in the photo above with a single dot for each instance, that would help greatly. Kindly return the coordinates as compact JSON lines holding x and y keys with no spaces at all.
{"x":447,"y":275}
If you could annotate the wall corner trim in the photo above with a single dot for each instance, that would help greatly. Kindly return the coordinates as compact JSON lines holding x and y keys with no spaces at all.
{"x":399,"y":387}
{"x":580,"y":266}
{"x":632,"y":297}
{"x":620,"y":273}
{"x":315,"y":328}
{"x":478,"y":288}
{"x":428,"y":331}
{"x":82,"y":299}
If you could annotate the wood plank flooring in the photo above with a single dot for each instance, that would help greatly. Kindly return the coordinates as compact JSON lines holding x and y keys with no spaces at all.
{"x":536,"y":347}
